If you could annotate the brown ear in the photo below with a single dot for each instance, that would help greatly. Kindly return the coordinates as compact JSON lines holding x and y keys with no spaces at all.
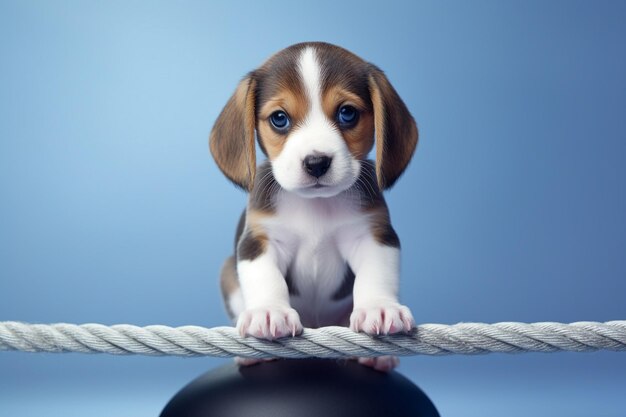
{"x":396,"y":131}
{"x":232,"y":138}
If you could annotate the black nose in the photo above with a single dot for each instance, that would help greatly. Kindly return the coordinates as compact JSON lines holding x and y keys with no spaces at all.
{"x":317,"y":165}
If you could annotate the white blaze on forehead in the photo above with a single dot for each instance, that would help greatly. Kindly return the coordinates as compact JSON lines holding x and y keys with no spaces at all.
{"x":310,"y":72}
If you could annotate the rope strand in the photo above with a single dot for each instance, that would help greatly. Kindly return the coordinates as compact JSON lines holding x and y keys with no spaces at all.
{"x":325,"y":342}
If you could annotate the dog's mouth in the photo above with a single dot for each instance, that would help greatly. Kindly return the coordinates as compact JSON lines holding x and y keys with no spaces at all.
{"x":317,"y":189}
{"x":325,"y":186}
{"x":320,"y":189}
{"x":316,"y":185}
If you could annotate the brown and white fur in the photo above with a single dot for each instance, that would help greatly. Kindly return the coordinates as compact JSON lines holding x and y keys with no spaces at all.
{"x":315,"y":246}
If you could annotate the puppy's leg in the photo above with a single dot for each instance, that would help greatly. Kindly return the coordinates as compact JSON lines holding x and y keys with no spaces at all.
{"x":233,"y":300}
{"x":376,"y":306}
{"x":268,"y":314}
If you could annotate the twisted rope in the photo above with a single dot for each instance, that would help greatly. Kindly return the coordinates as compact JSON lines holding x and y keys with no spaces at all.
{"x":326,"y":342}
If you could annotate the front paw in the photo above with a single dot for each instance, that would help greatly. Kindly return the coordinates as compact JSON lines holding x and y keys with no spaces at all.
{"x":384,"y":318}
{"x":269,"y":322}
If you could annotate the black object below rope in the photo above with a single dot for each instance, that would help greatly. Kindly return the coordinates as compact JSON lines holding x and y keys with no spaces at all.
{"x":300,"y":388}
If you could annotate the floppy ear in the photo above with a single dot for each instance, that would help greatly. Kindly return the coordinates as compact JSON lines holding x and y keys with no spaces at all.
{"x":232,"y":138}
{"x":396,"y":131}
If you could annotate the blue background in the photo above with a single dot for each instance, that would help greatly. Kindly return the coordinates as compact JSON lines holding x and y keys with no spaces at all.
{"x":513,"y":209}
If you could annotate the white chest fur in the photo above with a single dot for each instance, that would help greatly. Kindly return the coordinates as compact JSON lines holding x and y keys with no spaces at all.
{"x":306,"y":233}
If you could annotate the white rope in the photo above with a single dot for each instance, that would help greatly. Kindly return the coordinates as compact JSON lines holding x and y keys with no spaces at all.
{"x":326,"y":342}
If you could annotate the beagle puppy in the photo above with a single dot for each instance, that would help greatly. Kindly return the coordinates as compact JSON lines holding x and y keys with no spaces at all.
{"x":315,"y":246}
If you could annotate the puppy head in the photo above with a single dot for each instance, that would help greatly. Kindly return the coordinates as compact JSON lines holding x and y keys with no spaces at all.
{"x":316,"y":109}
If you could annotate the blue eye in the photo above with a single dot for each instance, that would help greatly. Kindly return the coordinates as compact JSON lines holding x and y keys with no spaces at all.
{"x":347,"y":116}
{"x":280,"y":121}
